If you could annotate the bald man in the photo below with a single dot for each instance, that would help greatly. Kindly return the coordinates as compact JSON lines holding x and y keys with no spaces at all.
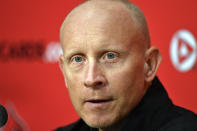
{"x":110,"y":70}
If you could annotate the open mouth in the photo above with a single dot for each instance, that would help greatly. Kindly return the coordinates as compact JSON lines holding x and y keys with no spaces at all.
{"x":97,"y":104}
{"x":98,"y":101}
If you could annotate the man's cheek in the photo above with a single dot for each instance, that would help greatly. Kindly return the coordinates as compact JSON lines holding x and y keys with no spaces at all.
{"x":73,"y":80}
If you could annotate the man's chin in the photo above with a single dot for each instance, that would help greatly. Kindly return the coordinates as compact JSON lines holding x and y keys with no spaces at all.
{"x":99,"y":122}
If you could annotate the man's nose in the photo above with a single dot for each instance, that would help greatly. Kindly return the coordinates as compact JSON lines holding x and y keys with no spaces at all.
{"x":94,"y":76}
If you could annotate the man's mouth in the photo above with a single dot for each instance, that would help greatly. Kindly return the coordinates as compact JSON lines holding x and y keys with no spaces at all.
{"x":98,"y":103}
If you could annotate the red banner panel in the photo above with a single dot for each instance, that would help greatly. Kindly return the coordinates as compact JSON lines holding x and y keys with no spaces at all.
{"x":31,"y":85}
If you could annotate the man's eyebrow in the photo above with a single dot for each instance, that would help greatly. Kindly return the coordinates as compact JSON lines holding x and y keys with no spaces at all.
{"x":71,"y":52}
{"x":114,"y":46}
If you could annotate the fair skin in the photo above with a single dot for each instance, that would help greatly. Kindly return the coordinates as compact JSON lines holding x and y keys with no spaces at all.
{"x":106,"y":65}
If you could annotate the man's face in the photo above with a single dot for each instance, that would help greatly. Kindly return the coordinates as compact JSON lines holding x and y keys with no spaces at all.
{"x":103,"y":67}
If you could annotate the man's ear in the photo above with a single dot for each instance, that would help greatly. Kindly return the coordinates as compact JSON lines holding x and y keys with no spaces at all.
{"x":152,"y":61}
{"x":61,"y":63}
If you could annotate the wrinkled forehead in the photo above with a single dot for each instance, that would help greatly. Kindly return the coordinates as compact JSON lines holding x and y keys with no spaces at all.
{"x":98,"y":19}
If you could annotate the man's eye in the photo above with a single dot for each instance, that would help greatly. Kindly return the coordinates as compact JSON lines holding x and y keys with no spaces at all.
{"x":77,"y":59}
{"x":110,"y":56}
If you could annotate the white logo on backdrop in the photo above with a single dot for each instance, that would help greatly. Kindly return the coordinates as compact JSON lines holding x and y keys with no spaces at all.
{"x":52,"y":52}
{"x":183,"y":50}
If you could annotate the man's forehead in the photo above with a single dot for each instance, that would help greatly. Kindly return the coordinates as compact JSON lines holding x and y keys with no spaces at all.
{"x":96,"y":11}
{"x":108,"y":13}
{"x":87,"y":19}
{"x":96,"y":32}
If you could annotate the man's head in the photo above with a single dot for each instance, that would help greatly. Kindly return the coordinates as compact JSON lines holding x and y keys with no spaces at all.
{"x":107,"y":63}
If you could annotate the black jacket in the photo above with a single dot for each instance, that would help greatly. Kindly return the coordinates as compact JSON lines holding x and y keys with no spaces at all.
{"x":155,"y":112}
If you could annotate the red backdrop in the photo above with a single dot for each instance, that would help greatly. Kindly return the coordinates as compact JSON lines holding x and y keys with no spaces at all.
{"x":31,"y":84}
